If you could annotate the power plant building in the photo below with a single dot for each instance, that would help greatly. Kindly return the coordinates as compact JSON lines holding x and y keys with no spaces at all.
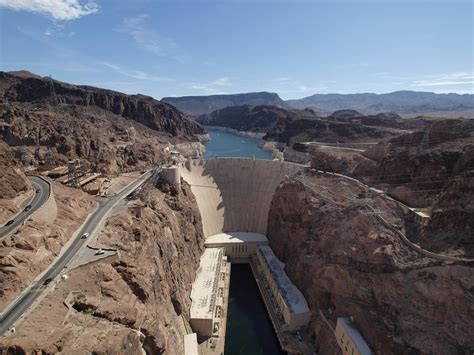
{"x":349,"y":339}
{"x":208,"y":292}
{"x":290,"y":301}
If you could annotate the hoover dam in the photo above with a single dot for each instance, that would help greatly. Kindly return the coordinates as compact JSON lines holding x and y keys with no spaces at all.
{"x":234,"y":194}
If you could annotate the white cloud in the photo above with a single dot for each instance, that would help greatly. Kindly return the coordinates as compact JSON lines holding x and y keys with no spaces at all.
{"x":461,"y":83}
{"x":214,"y":87}
{"x":464,"y":78}
{"x":136,"y":74}
{"x":57,"y":29}
{"x":290,"y":87}
{"x":138,"y":28}
{"x":458,"y":82}
{"x":57,"y":9}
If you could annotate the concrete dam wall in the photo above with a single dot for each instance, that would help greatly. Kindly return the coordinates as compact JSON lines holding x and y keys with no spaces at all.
{"x":234,"y":194}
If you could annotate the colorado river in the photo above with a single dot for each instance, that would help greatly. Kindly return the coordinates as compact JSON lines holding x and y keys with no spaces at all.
{"x":224,"y":144}
{"x":249,"y":329}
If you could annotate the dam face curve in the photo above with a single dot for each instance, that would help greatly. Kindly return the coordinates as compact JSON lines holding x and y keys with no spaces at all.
{"x":234,"y":194}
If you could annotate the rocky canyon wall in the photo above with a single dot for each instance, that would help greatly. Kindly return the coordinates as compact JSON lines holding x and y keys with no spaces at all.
{"x":348,"y":264}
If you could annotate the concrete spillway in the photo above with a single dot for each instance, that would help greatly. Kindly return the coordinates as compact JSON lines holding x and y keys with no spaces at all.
{"x":234,"y":194}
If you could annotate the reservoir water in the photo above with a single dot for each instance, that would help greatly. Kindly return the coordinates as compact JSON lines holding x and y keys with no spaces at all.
{"x":225,"y":144}
{"x":249,"y":328}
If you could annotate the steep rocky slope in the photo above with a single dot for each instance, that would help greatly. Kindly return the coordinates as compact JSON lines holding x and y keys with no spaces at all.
{"x":245,"y":118}
{"x":423,"y":162}
{"x":431,"y":169}
{"x":337,"y":160}
{"x":201,"y":105}
{"x":142,"y":109}
{"x":45,"y":137}
{"x":49,"y":123}
{"x":452,"y":217}
{"x":139,"y":297}
{"x":348,"y":264}
{"x":14,"y":186}
{"x":291,"y":131}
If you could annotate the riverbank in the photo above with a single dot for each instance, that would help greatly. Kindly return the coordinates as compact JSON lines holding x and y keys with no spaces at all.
{"x":249,"y":134}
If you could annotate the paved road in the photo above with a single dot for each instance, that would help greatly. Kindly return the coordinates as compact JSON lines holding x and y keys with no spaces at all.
{"x":38,"y":200}
{"x":26,"y":299}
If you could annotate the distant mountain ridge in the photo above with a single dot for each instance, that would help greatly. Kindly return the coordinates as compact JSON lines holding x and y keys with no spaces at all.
{"x":400,"y":102}
{"x":201,"y":105}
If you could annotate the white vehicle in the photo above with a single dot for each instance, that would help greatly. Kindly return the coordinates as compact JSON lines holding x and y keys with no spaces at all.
{"x":85,"y":235}
{"x":99,"y":252}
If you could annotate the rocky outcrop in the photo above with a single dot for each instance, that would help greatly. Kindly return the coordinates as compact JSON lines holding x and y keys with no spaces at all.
{"x":423,"y":162}
{"x":48,"y":123}
{"x":347,"y":264}
{"x":345,"y":114}
{"x":452,"y":217}
{"x":51,"y":136}
{"x":12,"y":180}
{"x":202,"y":105}
{"x":14,"y":186}
{"x":323,"y":130}
{"x":344,"y":126}
{"x":245,"y":118}
{"x":151,"y":113}
{"x":337,"y":160}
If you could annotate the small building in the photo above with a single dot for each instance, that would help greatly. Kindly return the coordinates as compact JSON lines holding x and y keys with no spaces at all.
{"x":237,"y":244}
{"x":290,"y":301}
{"x":421,"y":218}
{"x":207,"y":294}
{"x":58,"y":172}
{"x":349,"y":339}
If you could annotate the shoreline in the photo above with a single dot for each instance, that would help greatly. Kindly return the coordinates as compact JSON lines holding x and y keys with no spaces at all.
{"x":248,"y":134}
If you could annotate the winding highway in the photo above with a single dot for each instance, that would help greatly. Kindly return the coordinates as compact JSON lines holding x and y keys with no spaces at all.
{"x":18,"y":307}
{"x":39,"y":198}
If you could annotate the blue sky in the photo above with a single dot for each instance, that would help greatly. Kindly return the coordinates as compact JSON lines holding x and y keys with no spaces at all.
{"x":198,"y":47}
